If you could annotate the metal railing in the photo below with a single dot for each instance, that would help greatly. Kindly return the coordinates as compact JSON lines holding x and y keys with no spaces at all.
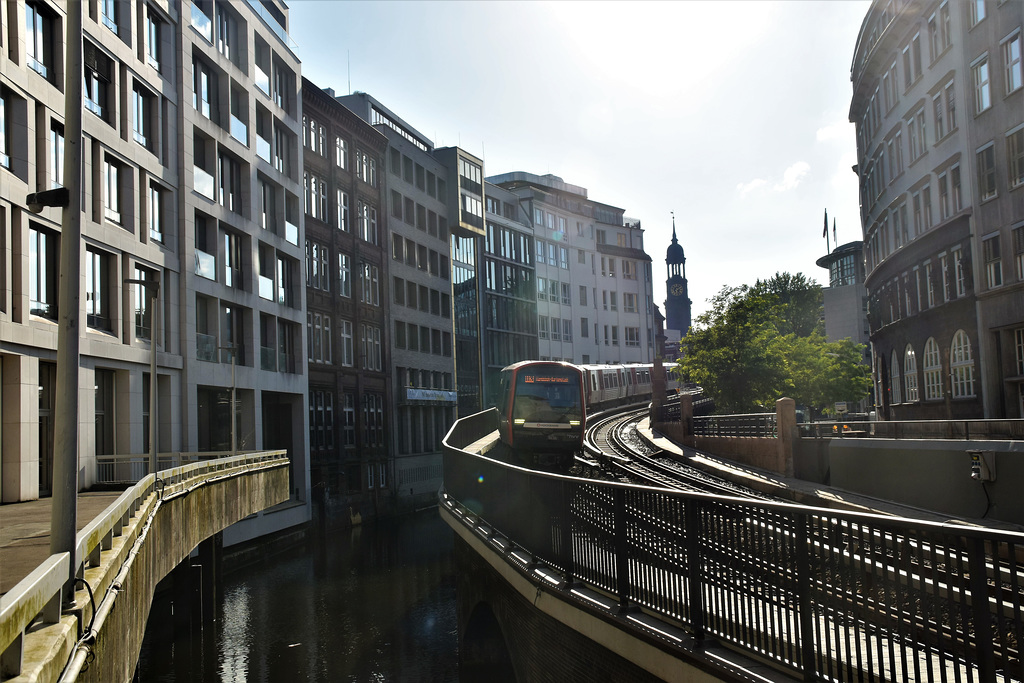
{"x":38,"y":597}
{"x":129,"y":469}
{"x":825,"y":594}
{"x":959,"y":430}
{"x":753,"y":424}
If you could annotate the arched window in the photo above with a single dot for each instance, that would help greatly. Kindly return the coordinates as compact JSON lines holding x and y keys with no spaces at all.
{"x":932,"y":371}
{"x":961,"y":365}
{"x":910,"y":374}
{"x":895,"y":392}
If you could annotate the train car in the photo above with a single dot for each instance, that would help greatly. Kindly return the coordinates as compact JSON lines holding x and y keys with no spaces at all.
{"x":542,"y":411}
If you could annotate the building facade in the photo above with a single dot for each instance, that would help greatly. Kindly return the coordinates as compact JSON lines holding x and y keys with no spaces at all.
{"x":191,"y":168}
{"x":419,"y":307}
{"x":939,"y":107}
{"x":348,"y":349}
{"x":845,"y":303}
{"x":510,"y":290}
{"x":594,"y":280}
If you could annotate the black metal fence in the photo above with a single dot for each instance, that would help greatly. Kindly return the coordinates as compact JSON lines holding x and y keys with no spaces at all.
{"x":960,"y":430}
{"x":752,"y":424}
{"x":829,"y":595}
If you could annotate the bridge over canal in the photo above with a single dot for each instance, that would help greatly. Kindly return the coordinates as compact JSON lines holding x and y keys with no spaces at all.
{"x":570,"y":579}
{"x":141,"y":537}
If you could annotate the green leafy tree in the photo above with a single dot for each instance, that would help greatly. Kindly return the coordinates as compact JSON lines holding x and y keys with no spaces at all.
{"x":758,"y":344}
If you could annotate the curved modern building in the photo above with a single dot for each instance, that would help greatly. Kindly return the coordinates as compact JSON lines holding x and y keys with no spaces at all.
{"x":939,"y":107}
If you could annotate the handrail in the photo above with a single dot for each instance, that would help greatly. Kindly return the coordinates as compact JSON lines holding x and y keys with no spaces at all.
{"x":960,"y":430}
{"x":40,"y":593}
{"x":810,"y":589}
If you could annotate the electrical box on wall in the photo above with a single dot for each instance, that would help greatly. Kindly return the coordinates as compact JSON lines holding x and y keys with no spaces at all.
{"x":983,"y":465}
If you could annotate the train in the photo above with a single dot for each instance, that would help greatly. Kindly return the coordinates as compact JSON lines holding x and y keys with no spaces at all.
{"x":543,"y":405}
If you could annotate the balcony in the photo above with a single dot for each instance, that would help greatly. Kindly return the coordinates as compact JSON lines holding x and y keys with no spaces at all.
{"x":266,"y":288}
{"x":206,"y":265}
{"x":206,"y":347}
{"x":202,"y":24}
{"x":291,"y":232}
{"x":202,"y":182}
{"x":263,"y":148}
{"x":285,"y":362}
{"x":274,"y":25}
{"x":262,"y":79}
{"x":268,"y":358}
{"x":239,"y":130}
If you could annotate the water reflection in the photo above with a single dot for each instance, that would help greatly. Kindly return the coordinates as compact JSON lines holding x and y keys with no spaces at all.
{"x":374,"y":603}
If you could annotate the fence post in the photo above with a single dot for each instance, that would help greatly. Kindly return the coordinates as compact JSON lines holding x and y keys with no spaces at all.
{"x":621,"y":549}
{"x":566,"y":531}
{"x":785,"y":423}
{"x":694,"y":563}
{"x":980,"y":610}
{"x":806,"y":606}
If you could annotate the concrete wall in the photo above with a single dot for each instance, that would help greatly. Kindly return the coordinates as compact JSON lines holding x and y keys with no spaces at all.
{"x":932,"y":474}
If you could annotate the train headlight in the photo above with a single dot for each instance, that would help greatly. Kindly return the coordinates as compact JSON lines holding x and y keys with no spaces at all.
{"x":520,"y":421}
{"x":574,"y":423}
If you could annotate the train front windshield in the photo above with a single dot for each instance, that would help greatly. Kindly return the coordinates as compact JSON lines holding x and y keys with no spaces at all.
{"x":548,"y":396}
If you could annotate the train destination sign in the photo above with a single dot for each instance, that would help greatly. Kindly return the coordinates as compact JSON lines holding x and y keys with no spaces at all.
{"x":545,"y":379}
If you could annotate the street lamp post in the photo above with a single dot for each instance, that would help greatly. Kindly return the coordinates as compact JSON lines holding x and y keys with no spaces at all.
{"x":153,"y":289}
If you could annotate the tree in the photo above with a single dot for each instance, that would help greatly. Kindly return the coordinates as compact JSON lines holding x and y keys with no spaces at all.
{"x":758,"y":344}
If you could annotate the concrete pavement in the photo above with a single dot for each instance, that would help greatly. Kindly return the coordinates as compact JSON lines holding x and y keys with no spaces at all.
{"x":25,"y":532}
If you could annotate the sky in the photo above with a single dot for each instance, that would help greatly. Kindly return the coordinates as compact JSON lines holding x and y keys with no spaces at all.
{"x":732,"y":115}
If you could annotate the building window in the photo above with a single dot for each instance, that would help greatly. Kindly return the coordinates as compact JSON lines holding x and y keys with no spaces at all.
{"x":993,"y":262}
{"x":584,"y":328}
{"x":632,"y":336}
{"x":39,"y":39}
{"x":154,"y":212}
{"x":959,"y":281}
{"x":961,"y":365}
{"x":369,"y":284}
{"x":583,"y":295}
{"x":347,"y":345}
{"x":371,"y":348}
{"x":5,"y":130}
{"x":982,"y":94}
{"x":977,"y":11}
{"x":1018,"y":252}
{"x":43,"y":271}
{"x":932,"y":371}
{"x":111,"y":191}
{"x":97,"y":289}
{"x":203,"y":86}
{"x":910,"y":374}
{"x":340,"y":152}
{"x":367,"y":217}
{"x":153,"y":31}
{"x":143,"y":304}
{"x":343,"y":211}
{"x":366,"y":168}
{"x":56,"y":152}
{"x":142,"y":110}
{"x":1018,"y":336}
{"x":1015,"y":156}
{"x":1012,"y":62}
{"x":96,"y":79}
{"x":986,"y":162}
{"x":895,"y":393}
{"x":344,"y":275}
{"x":108,"y":14}
{"x":542,"y":330}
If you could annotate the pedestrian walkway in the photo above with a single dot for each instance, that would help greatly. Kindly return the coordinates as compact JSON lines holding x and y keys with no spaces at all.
{"x":25,"y":532}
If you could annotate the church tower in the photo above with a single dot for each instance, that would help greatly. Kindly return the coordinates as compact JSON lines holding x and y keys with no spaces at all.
{"x":677,"y":305}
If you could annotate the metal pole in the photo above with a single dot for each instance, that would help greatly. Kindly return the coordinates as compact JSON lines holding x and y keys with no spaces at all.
{"x":154,"y":298}
{"x":234,"y":443}
{"x":64,"y":509}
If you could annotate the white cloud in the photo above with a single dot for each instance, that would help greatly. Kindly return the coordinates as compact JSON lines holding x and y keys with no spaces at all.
{"x":792,"y":176}
{"x":747,"y":188}
{"x":833,"y":131}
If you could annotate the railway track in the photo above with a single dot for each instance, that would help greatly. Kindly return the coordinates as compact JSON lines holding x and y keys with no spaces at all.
{"x":613,"y":441}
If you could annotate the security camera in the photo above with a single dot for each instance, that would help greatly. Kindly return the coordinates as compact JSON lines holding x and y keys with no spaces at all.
{"x":56,"y":197}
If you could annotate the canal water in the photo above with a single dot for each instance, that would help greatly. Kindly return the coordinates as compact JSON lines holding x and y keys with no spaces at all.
{"x":371,"y":603}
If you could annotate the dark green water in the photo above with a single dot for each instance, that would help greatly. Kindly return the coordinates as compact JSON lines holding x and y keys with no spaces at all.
{"x":374,"y":603}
